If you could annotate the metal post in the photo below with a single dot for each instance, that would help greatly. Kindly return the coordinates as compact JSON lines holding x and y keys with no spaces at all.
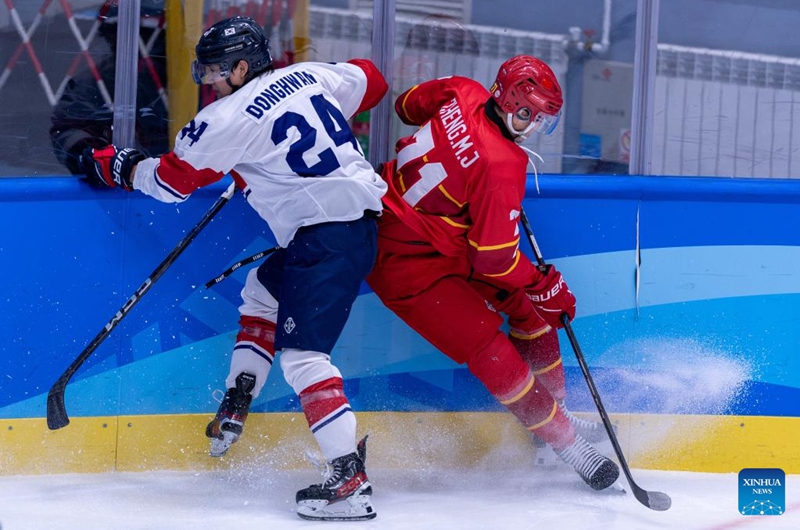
{"x":380,"y":121}
{"x":644,"y":85}
{"x":126,"y":75}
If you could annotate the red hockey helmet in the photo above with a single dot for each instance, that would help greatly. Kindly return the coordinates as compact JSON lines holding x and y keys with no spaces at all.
{"x":526,"y":87}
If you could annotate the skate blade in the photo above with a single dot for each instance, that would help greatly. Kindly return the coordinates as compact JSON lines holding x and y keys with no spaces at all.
{"x":614,"y":490}
{"x":220,"y":446}
{"x":546,"y":458}
{"x":355,"y":508}
{"x":617,"y":488}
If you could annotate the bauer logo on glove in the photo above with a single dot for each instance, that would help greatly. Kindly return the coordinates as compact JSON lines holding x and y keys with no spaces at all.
{"x":551,"y":292}
{"x":551,"y":297}
{"x":110,"y":167}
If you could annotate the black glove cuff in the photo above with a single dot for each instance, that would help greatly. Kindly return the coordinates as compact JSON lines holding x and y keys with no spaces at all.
{"x":122,"y":166}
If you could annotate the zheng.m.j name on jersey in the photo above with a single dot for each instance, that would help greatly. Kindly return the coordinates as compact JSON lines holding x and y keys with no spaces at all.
{"x":285,"y":138}
{"x":458,"y":182}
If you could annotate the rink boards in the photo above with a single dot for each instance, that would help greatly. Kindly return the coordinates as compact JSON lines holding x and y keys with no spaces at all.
{"x":688,"y":302}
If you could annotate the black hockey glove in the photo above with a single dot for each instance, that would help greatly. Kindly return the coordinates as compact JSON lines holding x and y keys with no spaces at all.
{"x":109,"y":166}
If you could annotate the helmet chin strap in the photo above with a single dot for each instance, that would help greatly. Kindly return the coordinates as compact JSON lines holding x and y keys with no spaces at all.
{"x":519,"y":137}
{"x":234,"y":88}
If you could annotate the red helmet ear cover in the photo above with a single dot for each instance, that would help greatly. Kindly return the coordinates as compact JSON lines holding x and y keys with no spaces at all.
{"x":525,"y":81}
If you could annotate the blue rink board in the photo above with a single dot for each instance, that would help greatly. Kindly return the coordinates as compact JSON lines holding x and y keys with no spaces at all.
{"x":711,"y":328}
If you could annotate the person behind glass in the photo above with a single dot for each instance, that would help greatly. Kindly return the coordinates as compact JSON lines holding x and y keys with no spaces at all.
{"x":283,"y":136}
{"x":82,"y":118}
{"x":449,"y":262}
{"x":435,"y":35}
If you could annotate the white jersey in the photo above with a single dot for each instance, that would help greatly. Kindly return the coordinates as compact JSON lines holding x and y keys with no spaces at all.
{"x":284,"y":137}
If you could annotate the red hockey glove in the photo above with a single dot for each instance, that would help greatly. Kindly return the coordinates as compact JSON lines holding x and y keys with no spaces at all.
{"x":523,"y":318}
{"x":551,"y":297}
{"x":110,"y":166}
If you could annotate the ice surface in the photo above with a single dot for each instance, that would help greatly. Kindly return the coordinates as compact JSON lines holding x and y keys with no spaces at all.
{"x":253,"y":499}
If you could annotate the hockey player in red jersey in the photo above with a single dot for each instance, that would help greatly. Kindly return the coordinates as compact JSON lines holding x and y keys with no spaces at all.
{"x":283,"y":135}
{"x":449,"y":262}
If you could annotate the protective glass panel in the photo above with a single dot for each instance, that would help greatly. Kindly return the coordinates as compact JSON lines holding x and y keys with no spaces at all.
{"x":587,"y":43}
{"x":727,"y":86}
{"x":728,"y":82}
{"x":57,"y":86}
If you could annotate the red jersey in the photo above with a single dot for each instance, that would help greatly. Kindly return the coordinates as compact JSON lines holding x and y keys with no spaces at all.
{"x":458,"y":182}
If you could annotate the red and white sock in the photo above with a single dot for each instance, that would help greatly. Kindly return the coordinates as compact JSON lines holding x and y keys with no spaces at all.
{"x":330,"y":417}
{"x":254,"y":351}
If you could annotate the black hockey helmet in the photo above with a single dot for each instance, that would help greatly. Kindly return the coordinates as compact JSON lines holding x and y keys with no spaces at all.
{"x":225,"y":44}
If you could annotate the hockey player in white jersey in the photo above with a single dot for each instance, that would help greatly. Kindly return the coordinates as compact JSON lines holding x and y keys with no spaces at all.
{"x":283,"y":136}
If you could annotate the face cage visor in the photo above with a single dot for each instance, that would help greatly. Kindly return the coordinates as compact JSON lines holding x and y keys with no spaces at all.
{"x":543,"y":123}
{"x":208,"y":74}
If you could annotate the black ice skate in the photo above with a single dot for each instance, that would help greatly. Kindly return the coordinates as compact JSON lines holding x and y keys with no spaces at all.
{"x":345,"y":495}
{"x":591,"y":431}
{"x":228,"y":424}
{"x":595,"y":469}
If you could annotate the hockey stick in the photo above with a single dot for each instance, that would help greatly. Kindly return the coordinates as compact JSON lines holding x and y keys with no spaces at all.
{"x":230,"y":270}
{"x":655,"y":500}
{"x":56,"y":409}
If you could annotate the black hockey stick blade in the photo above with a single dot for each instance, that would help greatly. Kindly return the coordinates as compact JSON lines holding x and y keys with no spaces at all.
{"x":57,"y":417}
{"x":56,"y":409}
{"x":655,"y":500}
